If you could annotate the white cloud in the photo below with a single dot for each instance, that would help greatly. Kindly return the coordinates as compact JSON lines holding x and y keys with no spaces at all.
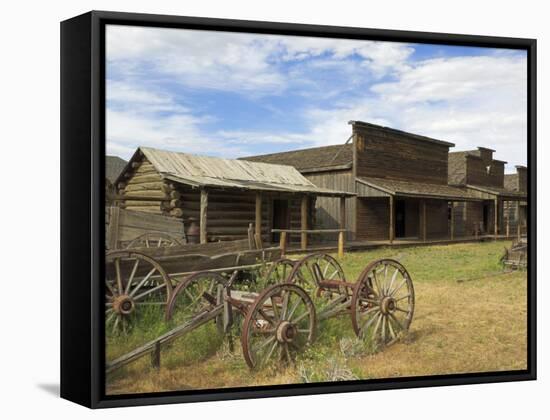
{"x":469,"y":100}
{"x":244,"y":63}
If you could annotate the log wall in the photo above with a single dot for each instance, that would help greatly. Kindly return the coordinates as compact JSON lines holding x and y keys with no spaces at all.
{"x":477,"y":173}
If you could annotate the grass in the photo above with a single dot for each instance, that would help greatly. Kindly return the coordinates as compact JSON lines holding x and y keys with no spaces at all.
{"x":469,"y":317}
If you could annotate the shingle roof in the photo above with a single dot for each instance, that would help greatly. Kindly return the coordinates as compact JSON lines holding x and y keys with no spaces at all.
{"x":501,"y":192}
{"x":417,"y":189}
{"x":311,"y":160}
{"x":206,"y":171}
{"x":113,"y":167}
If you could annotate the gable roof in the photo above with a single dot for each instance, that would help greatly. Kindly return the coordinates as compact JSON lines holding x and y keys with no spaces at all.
{"x":314,"y":159}
{"x":113,"y":167}
{"x":206,"y":171}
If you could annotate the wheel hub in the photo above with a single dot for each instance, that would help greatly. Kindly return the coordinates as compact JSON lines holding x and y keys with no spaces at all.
{"x":123,"y":304}
{"x":286,"y":332}
{"x":387,"y":305}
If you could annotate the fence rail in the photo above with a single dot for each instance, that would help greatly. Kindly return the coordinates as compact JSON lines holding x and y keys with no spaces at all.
{"x":283,"y":242}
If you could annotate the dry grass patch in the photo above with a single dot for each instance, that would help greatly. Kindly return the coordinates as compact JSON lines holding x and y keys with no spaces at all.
{"x":476,"y":325}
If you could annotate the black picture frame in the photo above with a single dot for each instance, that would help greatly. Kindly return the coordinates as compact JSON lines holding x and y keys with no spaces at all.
{"x":82,"y":206}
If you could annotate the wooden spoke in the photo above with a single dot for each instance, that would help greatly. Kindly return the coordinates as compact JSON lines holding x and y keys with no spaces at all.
{"x":376,"y":314}
{"x":188,"y":299}
{"x":279,"y":271}
{"x":129,"y":270}
{"x":132,"y":274}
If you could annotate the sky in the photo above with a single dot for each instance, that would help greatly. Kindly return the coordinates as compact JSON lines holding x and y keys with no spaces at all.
{"x":233,"y":94}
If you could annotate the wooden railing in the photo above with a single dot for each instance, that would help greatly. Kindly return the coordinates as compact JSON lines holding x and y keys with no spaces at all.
{"x":285,"y":233}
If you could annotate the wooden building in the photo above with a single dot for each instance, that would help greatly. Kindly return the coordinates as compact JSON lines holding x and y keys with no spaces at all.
{"x":223,"y":196}
{"x":400,"y":180}
{"x":483,"y":177}
{"x":113,"y":167}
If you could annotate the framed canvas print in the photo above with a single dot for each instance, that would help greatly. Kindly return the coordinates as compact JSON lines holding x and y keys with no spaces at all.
{"x":254,"y":209}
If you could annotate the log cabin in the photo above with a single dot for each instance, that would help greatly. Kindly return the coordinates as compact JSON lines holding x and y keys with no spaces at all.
{"x":223,"y":196}
{"x":113,"y":167}
{"x":400,"y":182}
{"x":483,"y":177}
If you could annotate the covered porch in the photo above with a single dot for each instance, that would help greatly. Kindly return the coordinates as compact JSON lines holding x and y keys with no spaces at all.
{"x":404,"y":211}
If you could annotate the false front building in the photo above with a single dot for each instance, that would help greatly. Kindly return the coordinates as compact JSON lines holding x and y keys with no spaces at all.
{"x":400,"y":181}
{"x":501,"y":209}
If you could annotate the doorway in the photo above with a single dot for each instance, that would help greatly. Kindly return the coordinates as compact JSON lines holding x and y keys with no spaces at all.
{"x":485,"y":217}
{"x":400,"y":218}
{"x":281,"y":217}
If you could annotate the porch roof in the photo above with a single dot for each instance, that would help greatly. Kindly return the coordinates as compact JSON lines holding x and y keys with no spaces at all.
{"x":498,"y":192}
{"x":418,"y":189}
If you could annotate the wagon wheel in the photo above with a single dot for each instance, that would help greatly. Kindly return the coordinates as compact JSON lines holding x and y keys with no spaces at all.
{"x":132,"y":281}
{"x":382,"y":305}
{"x":279,"y":324}
{"x":194,"y":295}
{"x":153,"y":240}
{"x":279,"y":271}
{"x":313,"y":269}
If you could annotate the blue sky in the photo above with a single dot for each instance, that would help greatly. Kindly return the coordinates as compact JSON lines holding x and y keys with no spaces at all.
{"x":232,"y":95}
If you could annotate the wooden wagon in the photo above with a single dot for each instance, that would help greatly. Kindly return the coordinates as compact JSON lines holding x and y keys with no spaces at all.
{"x":282,"y":319}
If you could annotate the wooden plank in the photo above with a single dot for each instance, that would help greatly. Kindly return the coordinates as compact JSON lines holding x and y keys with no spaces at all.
{"x":341,"y":245}
{"x":283,"y":243}
{"x":113,"y":231}
{"x":303,"y":222}
{"x":203,"y":216}
{"x":342,"y":212}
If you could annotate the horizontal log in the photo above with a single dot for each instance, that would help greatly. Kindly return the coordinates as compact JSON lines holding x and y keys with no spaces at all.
{"x":308,"y":230}
{"x":142,"y":203}
{"x":145,"y":209}
{"x":151,"y":194}
{"x":136,"y":179}
{"x":145,"y":186}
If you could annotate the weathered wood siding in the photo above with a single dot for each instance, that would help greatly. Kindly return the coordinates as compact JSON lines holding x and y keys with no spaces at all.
{"x":437,"y":219}
{"x":327,"y":209}
{"x":389,"y":155}
{"x":127,"y":225}
{"x":478,"y":174}
{"x":373,"y":219}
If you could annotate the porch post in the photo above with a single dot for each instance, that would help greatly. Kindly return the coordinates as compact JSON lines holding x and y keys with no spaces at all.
{"x":496,"y":217}
{"x":303,"y":227}
{"x":424,"y":220}
{"x":203,"y":216}
{"x":452,"y":220}
{"x":392,"y":233}
{"x":258,"y":218}
{"x":507,"y":205}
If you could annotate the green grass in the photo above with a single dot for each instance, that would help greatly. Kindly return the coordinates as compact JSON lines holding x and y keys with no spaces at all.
{"x":469,"y":317}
